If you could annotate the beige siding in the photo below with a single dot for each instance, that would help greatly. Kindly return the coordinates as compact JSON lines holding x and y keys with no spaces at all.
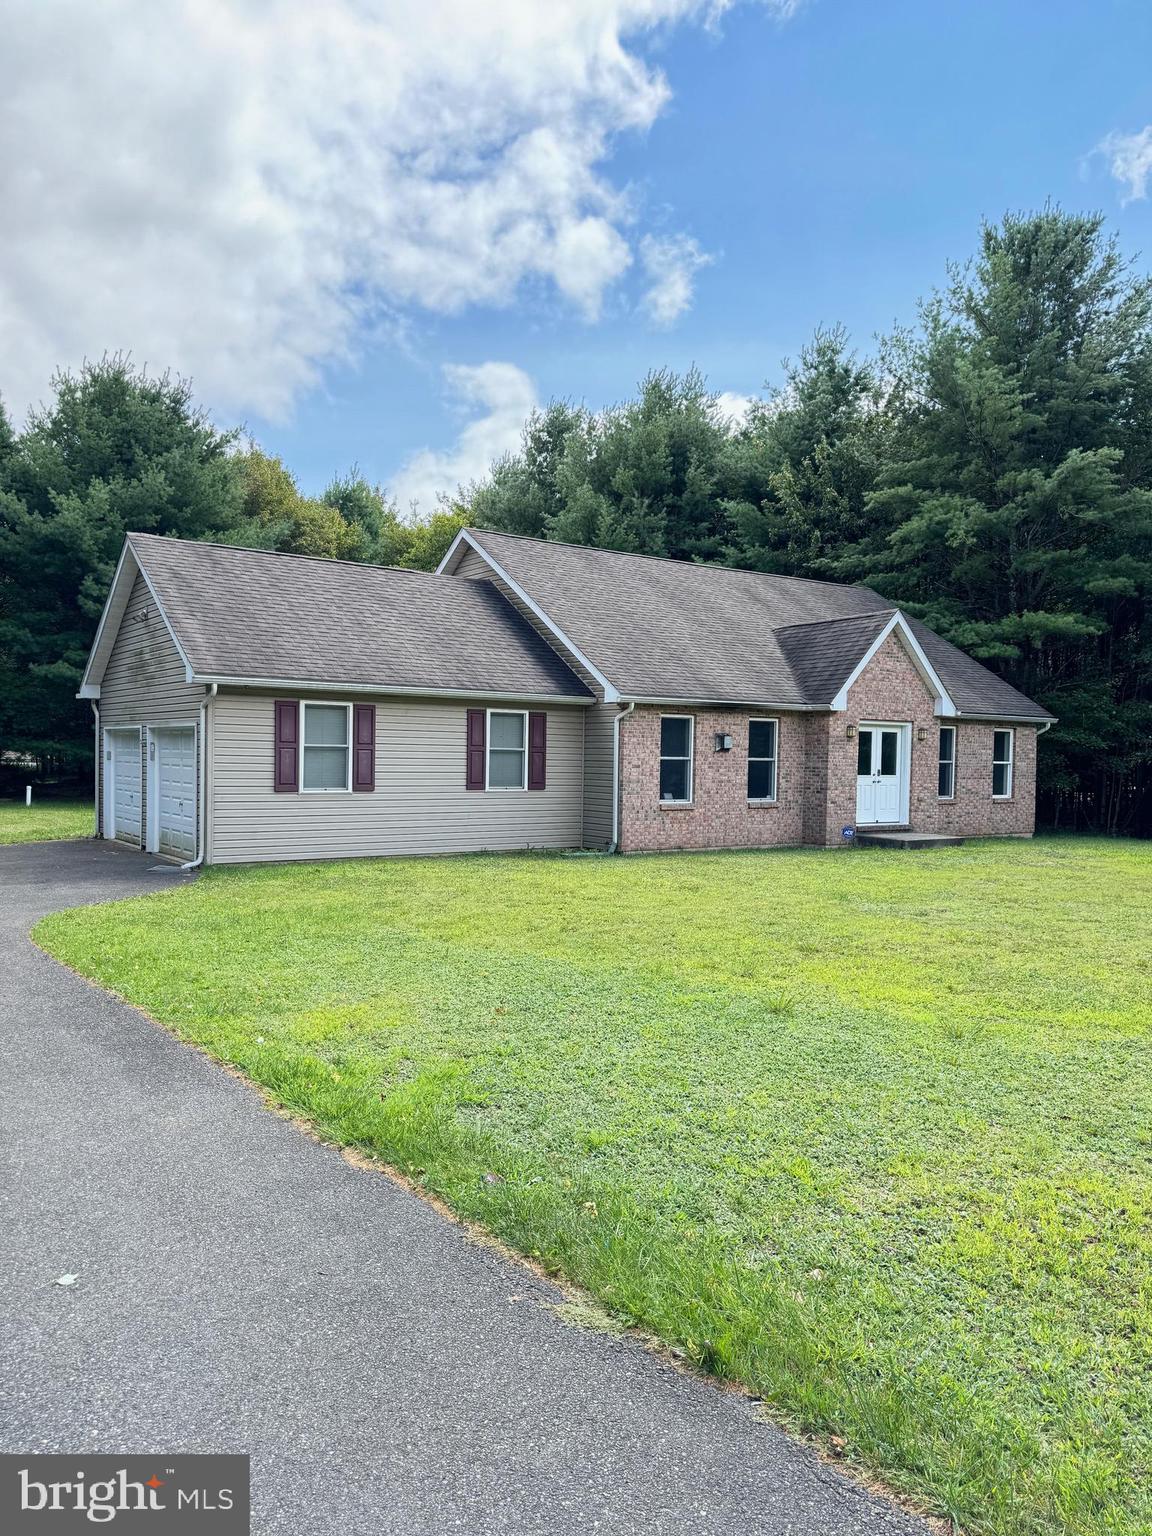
{"x":419,"y":805}
{"x":598,"y":743}
{"x":144,"y":682}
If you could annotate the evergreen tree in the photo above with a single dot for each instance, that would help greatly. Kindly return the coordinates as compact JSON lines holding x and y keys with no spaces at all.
{"x":800,"y":470}
{"x":1014,"y":511}
{"x":117,"y":451}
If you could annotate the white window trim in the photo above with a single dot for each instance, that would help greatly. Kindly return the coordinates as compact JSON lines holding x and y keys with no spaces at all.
{"x":306,"y":704}
{"x":1010,"y":761}
{"x":691,"y":760}
{"x":504,"y":789}
{"x":774,"y":759}
{"x":939,"y":763}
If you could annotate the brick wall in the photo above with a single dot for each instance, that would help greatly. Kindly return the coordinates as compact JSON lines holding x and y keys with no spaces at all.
{"x":720,"y":815}
{"x":816,"y":773}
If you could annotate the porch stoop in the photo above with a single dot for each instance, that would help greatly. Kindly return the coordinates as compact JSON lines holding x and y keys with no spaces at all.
{"x":907,"y":840}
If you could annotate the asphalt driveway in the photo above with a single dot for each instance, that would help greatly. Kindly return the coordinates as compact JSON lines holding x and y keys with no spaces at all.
{"x":242,"y":1288}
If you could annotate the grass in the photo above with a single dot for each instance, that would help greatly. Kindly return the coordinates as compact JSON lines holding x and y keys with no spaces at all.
{"x":868,"y":1131}
{"x":44,"y":820}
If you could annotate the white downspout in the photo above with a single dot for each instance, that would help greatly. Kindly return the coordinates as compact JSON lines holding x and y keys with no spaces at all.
{"x":96,"y":774}
{"x":1040,"y":729}
{"x":202,"y":786}
{"x":621,"y":715}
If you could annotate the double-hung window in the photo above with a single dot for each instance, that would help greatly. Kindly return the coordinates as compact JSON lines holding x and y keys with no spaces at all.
{"x":676,"y":733}
{"x":946,"y":772}
{"x":1003,"y":743}
{"x":762,"y":759}
{"x":507,"y":749}
{"x":325,"y":747}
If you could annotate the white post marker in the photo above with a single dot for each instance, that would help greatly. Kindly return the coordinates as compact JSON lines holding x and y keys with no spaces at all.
{"x":27,"y":794}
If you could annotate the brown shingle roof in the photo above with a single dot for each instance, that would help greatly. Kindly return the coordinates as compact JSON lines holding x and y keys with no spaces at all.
{"x":251,"y":614}
{"x":669,"y":629}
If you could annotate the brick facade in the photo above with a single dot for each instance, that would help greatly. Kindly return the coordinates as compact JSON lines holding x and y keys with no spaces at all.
{"x":816,"y":772}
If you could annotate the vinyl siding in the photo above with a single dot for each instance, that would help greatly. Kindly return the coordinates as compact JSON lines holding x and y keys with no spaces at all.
{"x":598,"y":744}
{"x":144,"y":681}
{"x":419,"y":805}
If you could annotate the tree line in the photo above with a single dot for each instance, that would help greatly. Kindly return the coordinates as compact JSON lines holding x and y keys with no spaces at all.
{"x":988,"y":468}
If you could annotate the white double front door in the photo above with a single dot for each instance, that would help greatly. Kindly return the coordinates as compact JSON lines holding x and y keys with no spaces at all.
{"x":882,"y":763}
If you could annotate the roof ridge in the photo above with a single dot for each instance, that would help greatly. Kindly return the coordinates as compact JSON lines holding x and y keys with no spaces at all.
{"x":836,"y":618}
{"x":630,"y":554}
{"x":284,"y":554}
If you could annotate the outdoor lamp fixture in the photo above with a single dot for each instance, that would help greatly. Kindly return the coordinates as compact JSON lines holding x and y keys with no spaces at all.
{"x":723,"y":742}
{"x":850,"y":731}
{"x":921,"y":733}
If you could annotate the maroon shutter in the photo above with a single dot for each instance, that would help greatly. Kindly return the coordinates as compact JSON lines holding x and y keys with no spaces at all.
{"x":287,"y":744}
{"x":537,"y":748}
{"x":477,"y":728}
{"x":364,"y":745}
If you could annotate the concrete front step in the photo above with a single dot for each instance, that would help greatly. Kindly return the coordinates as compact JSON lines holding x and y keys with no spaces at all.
{"x":897,"y":839}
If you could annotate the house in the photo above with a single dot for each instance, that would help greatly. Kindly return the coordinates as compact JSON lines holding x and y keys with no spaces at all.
{"x":258,"y":706}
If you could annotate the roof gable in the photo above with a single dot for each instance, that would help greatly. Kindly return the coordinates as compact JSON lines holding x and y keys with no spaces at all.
{"x":257,"y":617}
{"x":675,"y":631}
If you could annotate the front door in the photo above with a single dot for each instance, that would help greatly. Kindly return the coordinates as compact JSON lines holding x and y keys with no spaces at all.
{"x":881,"y":775}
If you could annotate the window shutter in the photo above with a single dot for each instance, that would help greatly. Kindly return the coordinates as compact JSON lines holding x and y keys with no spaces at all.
{"x":537,"y":749}
{"x":477,"y":730}
{"x":364,"y":746}
{"x":287,"y":745}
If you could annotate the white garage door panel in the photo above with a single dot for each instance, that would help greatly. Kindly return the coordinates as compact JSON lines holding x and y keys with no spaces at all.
{"x":176,"y":792}
{"x":123,"y":765}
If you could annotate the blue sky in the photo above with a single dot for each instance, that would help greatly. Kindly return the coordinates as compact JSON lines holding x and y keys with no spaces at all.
{"x":801,"y":168}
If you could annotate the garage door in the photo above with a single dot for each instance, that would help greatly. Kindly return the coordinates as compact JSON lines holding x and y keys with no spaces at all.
{"x":176,"y":791}
{"x":123,"y":802}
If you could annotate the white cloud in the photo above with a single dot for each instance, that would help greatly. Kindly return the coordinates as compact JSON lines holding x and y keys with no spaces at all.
{"x":671,"y":265}
{"x":506,"y":396}
{"x":239,"y":188}
{"x":1129,"y":158}
{"x":734,"y":408}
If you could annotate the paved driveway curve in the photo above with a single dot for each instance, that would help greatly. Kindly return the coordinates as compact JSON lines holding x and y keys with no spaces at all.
{"x":245,"y":1289}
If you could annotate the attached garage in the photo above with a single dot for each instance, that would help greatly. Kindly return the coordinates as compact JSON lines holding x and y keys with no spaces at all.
{"x":172,"y":791}
{"x":123,"y":797}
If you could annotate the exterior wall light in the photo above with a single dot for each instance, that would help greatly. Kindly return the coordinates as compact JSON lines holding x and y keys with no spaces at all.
{"x":723,"y":743}
{"x":921,"y":733}
{"x":850,"y":731}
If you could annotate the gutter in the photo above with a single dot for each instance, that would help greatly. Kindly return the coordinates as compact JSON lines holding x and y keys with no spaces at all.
{"x":96,"y":770}
{"x":202,"y":786}
{"x":378,"y":690}
{"x":621,"y":715}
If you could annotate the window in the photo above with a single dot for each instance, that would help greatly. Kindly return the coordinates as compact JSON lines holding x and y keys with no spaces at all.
{"x":676,"y":758}
{"x":1002,"y":744}
{"x":325,"y":757}
{"x":507,"y":749}
{"x":946,"y":777}
{"x":761,"y":759}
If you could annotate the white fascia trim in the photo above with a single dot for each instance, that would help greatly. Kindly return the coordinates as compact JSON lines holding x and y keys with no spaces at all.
{"x":189,"y":671}
{"x":944,"y":704}
{"x":447,"y":565}
{"x":380,"y":690}
{"x":724,"y":703}
{"x":89,"y":690}
{"x":1044,"y":723}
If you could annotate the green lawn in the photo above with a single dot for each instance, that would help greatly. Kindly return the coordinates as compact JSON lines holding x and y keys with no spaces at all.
{"x":869,"y":1131}
{"x":44,"y":820}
